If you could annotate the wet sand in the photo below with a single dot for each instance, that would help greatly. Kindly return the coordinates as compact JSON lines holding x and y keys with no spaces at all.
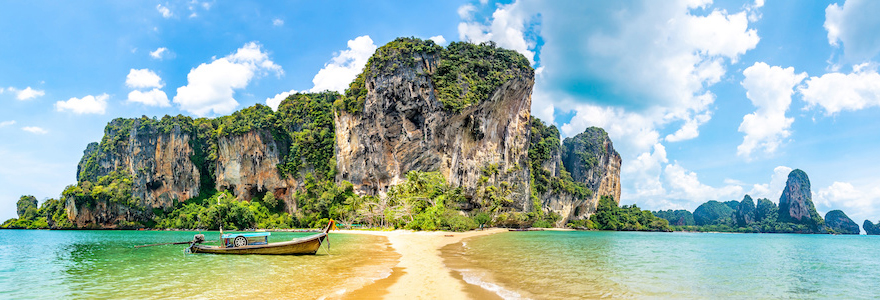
{"x":421,"y":273}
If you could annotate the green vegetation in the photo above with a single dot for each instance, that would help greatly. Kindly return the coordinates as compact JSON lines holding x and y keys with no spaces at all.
{"x":466,"y":73}
{"x":678,"y":217}
{"x":222,"y":208}
{"x":712,"y":213}
{"x":543,"y":145}
{"x":609,"y":216}
{"x":50,"y":214}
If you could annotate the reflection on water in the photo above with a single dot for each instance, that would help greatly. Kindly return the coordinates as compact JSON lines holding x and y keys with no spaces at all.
{"x":567,"y":265}
{"x":103,"y":264}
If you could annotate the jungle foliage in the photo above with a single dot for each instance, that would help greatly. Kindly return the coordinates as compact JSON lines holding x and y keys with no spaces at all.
{"x":609,"y":216}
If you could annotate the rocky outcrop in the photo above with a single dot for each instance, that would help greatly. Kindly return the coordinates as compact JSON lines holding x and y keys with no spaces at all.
{"x":404,"y":127}
{"x":840,"y":223}
{"x":745,"y":212}
{"x":796,"y":204}
{"x":871,"y":228}
{"x":765,"y":209}
{"x":246,"y":166}
{"x":158,"y":162}
{"x":590,"y":159}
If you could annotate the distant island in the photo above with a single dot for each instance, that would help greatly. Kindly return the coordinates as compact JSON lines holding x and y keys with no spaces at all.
{"x":795,"y":214}
{"x":425,"y":138}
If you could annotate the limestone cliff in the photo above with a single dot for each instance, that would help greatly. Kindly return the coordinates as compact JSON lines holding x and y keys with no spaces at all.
{"x":246,"y":166}
{"x":796,"y":204}
{"x":587,"y":160}
{"x":157,"y":161}
{"x":839,"y":222}
{"x":403,"y":126}
{"x":871,"y":228}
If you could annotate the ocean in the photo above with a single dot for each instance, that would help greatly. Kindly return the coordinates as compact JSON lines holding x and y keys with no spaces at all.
{"x":595,"y":264}
{"x":41,"y":264}
{"x":102,"y":264}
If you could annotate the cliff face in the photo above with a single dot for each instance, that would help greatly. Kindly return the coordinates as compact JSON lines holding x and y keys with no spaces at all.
{"x":838,"y":221}
{"x":590,"y":159}
{"x":870,"y":228}
{"x":404,"y":127}
{"x":246,"y":166}
{"x":158,"y":163}
{"x":796,"y":204}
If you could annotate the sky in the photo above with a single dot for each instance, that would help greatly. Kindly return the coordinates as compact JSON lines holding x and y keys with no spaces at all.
{"x":704,"y":100}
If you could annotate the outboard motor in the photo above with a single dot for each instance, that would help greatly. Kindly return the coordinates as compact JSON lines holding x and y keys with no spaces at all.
{"x":198,"y":239}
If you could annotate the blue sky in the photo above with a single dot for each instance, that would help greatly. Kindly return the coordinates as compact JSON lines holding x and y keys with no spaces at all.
{"x":704,"y":100}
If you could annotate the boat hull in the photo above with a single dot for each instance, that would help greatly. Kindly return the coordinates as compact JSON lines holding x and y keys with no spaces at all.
{"x":301,"y":246}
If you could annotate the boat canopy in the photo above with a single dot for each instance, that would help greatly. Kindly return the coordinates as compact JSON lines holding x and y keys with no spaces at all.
{"x":245,"y":234}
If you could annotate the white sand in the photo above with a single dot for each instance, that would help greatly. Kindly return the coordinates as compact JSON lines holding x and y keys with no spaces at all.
{"x":425,"y":277}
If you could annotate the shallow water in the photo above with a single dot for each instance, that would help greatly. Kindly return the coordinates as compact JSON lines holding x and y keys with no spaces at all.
{"x":577,"y":265}
{"x":104,"y":264}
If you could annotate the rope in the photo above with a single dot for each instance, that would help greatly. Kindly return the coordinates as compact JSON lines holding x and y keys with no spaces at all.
{"x":328,"y":245}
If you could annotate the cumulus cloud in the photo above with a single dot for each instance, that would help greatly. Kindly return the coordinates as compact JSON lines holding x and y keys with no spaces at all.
{"x":859,"y":202}
{"x":769,"y":89}
{"x":154,"y":97}
{"x":855,"y":26}
{"x":211,"y":86}
{"x":34,"y":130}
{"x":7,"y":123}
{"x":338,"y":73}
{"x":439,"y":39}
{"x":26,"y":94}
{"x":166,"y":13}
{"x":85,"y":105}
{"x":277,"y":22}
{"x":159,"y":53}
{"x":685,"y":185}
{"x":143,"y":78}
{"x":837,"y":92}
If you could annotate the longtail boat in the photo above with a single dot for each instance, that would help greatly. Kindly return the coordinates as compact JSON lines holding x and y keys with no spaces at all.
{"x":258,"y":243}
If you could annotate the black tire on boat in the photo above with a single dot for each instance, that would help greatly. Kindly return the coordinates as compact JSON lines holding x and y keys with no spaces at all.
{"x":239,"y":241}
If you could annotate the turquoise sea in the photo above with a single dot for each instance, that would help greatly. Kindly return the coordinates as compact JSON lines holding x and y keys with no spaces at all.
{"x":40,"y":264}
{"x":95,"y":264}
{"x":577,"y":265}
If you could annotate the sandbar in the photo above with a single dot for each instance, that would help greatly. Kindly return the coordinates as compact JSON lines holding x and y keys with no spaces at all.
{"x":420,"y":273}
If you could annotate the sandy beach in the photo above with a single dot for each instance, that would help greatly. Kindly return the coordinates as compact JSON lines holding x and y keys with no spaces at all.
{"x":420,"y":273}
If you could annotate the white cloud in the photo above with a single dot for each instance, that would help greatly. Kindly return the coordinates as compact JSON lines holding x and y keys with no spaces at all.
{"x":685,"y":185}
{"x":275,"y":101}
{"x":27,"y":93}
{"x":507,"y":28}
{"x":7,"y":123}
{"x":690,"y":129}
{"x":338,"y":73}
{"x":211,"y":86}
{"x":34,"y":130}
{"x":858,"y":202}
{"x":855,"y":25}
{"x":159,"y":53}
{"x":773,"y":190}
{"x":465,"y":12}
{"x":154,"y":97}
{"x":277,"y":22}
{"x":769,"y":89}
{"x":166,"y":13}
{"x":85,"y":105}
{"x":439,"y":39}
{"x":837,"y":92}
{"x":143,"y":78}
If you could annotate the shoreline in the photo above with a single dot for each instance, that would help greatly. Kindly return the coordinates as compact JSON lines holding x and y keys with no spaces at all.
{"x":418,"y":275}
